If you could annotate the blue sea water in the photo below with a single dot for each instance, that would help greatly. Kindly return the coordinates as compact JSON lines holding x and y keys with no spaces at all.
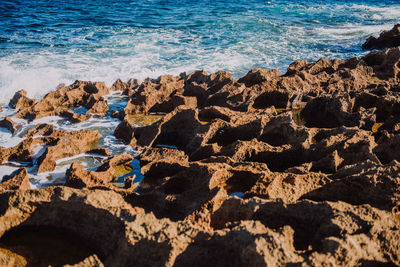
{"x":44,"y":43}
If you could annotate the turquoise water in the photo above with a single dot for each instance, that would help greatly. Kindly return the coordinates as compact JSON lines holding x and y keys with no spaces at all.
{"x":44,"y":43}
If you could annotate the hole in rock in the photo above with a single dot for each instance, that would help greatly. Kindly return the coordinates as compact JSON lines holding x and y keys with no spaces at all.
{"x":274,"y":138}
{"x":176,"y":186}
{"x":279,"y":161}
{"x":297,"y":117}
{"x":272,"y":98}
{"x":44,"y":246}
{"x":243,"y":132}
{"x":312,"y":118}
{"x":207,"y":115}
{"x":173,"y":139}
{"x":241,"y":181}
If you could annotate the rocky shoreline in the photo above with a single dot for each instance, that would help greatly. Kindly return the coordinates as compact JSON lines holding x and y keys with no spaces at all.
{"x":300,"y":168}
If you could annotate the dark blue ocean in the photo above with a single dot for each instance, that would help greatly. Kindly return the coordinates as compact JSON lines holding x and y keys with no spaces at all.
{"x":44,"y":43}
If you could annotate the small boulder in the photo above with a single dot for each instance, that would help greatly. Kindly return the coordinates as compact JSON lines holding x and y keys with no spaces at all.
{"x":20,"y":100}
{"x":9,"y":124}
{"x":18,"y":180}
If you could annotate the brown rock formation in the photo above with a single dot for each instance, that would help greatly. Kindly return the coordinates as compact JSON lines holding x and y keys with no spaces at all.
{"x":386,"y":39}
{"x":20,"y":100}
{"x":267,"y":170}
{"x":18,"y":180}
{"x":9,"y":124}
{"x":55,"y":103}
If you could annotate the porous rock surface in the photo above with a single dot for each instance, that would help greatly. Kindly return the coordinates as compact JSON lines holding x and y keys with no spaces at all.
{"x":268,"y":170}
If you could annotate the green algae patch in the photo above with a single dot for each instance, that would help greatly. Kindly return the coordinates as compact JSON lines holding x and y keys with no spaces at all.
{"x":119,"y":184}
{"x":120,"y":171}
{"x":296,"y":114}
{"x":123,"y":169}
{"x":93,"y":145}
{"x":144,"y":119}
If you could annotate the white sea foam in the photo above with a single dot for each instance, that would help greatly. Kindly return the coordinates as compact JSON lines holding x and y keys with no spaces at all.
{"x":350,"y":31}
{"x":378,"y":13}
{"x":6,"y":170}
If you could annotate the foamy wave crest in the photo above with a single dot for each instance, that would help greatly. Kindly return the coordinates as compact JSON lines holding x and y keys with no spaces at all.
{"x":268,"y":35}
{"x":378,"y":12}
{"x":351,"y":31}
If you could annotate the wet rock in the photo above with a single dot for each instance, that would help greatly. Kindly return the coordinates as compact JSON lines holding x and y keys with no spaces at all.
{"x":9,"y":124}
{"x":292,"y":169}
{"x":44,"y":129}
{"x":100,"y":106}
{"x":78,"y":177}
{"x":20,"y":100}
{"x":18,"y":180}
{"x":21,"y":152}
{"x":124,"y":131}
{"x":72,"y":143}
{"x":386,"y":39}
{"x":72,"y":116}
{"x":114,"y":161}
{"x":78,"y":94}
